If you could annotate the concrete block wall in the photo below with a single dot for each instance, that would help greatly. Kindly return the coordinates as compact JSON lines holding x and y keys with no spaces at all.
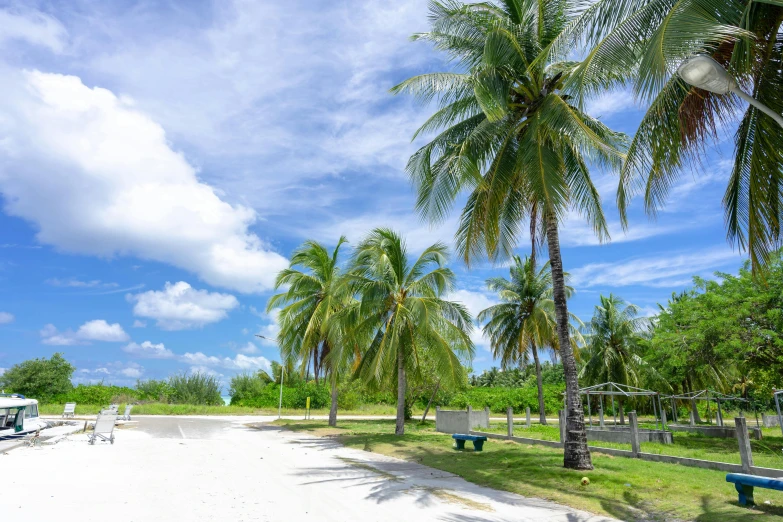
{"x":769,"y":421}
{"x":460,"y":421}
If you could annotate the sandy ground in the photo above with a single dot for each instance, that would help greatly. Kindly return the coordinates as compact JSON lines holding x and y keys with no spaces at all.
{"x":199,"y":469}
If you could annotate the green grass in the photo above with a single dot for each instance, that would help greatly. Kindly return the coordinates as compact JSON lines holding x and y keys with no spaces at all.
{"x":194,"y":409}
{"x":767,"y":453}
{"x":627,"y":489}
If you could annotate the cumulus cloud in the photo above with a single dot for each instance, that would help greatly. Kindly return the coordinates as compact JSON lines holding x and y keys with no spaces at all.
{"x":95,"y":330}
{"x":148,"y":350}
{"x":133,"y":373}
{"x":139,"y":324}
{"x":248,"y":349}
{"x":6,"y":318}
{"x":97,"y":176}
{"x":179,"y":306}
{"x":475,"y":302}
{"x":240,"y":362}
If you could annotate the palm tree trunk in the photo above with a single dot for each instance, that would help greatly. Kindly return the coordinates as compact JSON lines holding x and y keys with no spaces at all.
{"x":575,"y":454}
{"x":432,"y":398}
{"x":540,"y":383}
{"x":400,"y":427}
{"x":333,"y":408}
{"x":533,"y":239}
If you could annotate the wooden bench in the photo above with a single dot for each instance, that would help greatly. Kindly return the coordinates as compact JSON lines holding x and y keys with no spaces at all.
{"x":745,"y":484}
{"x":478,"y":441}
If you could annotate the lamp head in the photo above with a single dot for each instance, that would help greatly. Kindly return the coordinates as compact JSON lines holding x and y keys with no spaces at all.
{"x":705,"y":73}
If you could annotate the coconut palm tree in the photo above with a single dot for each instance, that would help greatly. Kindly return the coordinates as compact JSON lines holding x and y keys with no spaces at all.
{"x":401,"y":310}
{"x":642,"y":43}
{"x":513,"y":140}
{"x":611,"y":353}
{"x":317,"y":290}
{"x":524,"y":322}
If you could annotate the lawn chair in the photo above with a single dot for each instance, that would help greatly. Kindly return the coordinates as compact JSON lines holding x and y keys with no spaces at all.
{"x":104,"y":428}
{"x":70,"y":409}
{"x":126,"y":415}
{"x":111,"y":410}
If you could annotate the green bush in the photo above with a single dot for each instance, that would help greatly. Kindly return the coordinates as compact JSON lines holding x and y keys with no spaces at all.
{"x":498,"y":399}
{"x":294,"y":397}
{"x":153,"y":390}
{"x":195,"y":388}
{"x":246,"y":386}
{"x":99,"y":394}
{"x":41,"y":379}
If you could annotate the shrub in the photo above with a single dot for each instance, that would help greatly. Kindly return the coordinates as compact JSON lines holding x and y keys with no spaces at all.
{"x":498,"y":399}
{"x":153,"y":390}
{"x":41,"y":379}
{"x":195,"y":388}
{"x":294,"y":397}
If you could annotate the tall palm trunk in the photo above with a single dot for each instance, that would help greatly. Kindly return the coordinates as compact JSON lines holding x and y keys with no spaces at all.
{"x":540,"y":383}
{"x":333,"y":407}
{"x":533,"y":239}
{"x":575,"y":454}
{"x":401,"y":384}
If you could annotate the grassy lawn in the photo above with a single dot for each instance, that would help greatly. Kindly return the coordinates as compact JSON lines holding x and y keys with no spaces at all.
{"x":193,"y":409}
{"x":626,"y":489}
{"x":767,"y":453}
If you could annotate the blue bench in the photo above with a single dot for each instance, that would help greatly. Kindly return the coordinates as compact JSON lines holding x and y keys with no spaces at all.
{"x":478,"y":441}
{"x":745,"y":484}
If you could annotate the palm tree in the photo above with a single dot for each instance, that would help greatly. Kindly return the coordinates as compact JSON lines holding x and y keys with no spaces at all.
{"x":611,"y":353}
{"x":525,"y":321}
{"x":314,"y":295}
{"x":513,"y":140}
{"x":402,"y":312}
{"x":643,"y":43}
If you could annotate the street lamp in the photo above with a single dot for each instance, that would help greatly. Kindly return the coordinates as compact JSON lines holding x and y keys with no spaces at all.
{"x":282,"y":375}
{"x":705,"y":73}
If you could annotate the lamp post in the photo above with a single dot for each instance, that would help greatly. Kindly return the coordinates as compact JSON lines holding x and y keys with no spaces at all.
{"x":282,"y":376}
{"x":705,"y":73}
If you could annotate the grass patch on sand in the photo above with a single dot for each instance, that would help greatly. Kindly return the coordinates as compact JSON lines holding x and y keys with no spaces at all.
{"x":626,"y":489}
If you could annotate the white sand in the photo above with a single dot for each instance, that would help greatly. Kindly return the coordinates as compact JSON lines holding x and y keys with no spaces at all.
{"x":228,"y":472}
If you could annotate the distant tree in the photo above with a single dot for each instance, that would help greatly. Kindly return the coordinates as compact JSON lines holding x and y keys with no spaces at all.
{"x":612,"y":352}
{"x":403,"y":313}
{"x":524,"y":322}
{"x":40,"y":379}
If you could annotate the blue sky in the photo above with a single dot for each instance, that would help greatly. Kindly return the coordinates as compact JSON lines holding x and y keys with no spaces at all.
{"x":159,"y":161}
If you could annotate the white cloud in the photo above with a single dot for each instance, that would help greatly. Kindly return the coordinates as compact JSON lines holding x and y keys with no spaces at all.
{"x":139,"y":324}
{"x":475,"y":302}
{"x":33,"y":27}
{"x":239,"y":362}
{"x":667,"y":270}
{"x":610,"y":103}
{"x":179,"y":306}
{"x":95,"y":330}
{"x":134,"y":373}
{"x":3,"y":370}
{"x":6,"y":318}
{"x":205,"y":370}
{"x":119,"y":187}
{"x":249,"y":349}
{"x":271,"y":329}
{"x":76,"y":283}
{"x":148,"y":350}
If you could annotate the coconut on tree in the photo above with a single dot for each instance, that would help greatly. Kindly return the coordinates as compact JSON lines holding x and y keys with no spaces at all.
{"x":514,"y":141}
{"x":524,"y":322}
{"x":402,"y":313}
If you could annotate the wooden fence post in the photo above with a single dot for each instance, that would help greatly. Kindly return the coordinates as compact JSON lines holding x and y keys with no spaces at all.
{"x":746,"y":455}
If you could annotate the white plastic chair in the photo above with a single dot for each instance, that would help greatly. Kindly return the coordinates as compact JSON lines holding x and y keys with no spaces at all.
{"x":70,"y":409}
{"x":126,"y":416}
{"x":104,"y":428}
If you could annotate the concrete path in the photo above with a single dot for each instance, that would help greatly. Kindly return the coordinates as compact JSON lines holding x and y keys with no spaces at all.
{"x":218,"y":468}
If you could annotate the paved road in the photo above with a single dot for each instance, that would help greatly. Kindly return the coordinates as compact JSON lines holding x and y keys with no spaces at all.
{"x":214,"y":469}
